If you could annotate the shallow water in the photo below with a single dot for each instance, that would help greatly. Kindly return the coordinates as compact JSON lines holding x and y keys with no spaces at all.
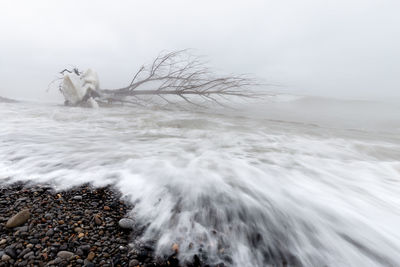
{"x":314,"y":182}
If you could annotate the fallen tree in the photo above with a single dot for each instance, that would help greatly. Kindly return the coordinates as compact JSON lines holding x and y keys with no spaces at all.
{"x":178,"y":74}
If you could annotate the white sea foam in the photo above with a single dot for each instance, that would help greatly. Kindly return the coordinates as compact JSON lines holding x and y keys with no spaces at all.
{"x":285,"y":179}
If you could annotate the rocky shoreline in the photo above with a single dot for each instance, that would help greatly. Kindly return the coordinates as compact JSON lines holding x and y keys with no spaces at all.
{"x":83,"y":226}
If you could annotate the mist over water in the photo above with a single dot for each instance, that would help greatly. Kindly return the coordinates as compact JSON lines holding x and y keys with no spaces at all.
{"x":309,"y":181}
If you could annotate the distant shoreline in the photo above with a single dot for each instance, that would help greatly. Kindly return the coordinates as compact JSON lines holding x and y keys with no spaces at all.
{"x":7,"y":100}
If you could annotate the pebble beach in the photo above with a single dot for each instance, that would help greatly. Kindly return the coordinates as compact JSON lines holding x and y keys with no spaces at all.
{"x":82,"y":226}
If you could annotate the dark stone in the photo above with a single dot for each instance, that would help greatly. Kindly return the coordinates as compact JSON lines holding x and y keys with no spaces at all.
{"x":85,"y":248}
{"x":88,"y":263}
{"x":173,"y":261}
{"x":134,"y":263}
{"x":196,"y":261}
{"x":50,"y":232}
{"x":11,"y":252}
{"x":25,"y":251}
{"x":23,"y":229}
{"x":79,"y":252}
{"x":28,"y":255}
{"x":97,"y":220}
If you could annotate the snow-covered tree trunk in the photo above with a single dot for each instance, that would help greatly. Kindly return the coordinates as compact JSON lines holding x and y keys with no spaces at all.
{"x":80,"y":89}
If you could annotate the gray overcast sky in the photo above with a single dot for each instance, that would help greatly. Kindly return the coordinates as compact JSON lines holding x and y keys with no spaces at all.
{"x":342,"y":48}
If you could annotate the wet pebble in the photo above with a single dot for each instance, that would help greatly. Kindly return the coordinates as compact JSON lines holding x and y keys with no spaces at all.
{"x":50,"y":232}
{"x":134,"y":263}
{"x":97,"y":219}
{"x":18,"y":219}
{"x":126,"y":223}
{"x":5,"y":257}
{"x":88,"y":263}
{"x":77,"y":198}
{"x":22,"y":229}
{"x":10,"y":252}
{"x":29,"y":255}
{"x":65,"y":254}
{"x":91,"y":256}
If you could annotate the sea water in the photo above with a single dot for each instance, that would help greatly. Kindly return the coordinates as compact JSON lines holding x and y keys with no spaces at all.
{"x":303,"y":180}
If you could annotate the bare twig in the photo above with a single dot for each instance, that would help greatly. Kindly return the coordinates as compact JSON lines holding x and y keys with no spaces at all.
{"x":181,"y":74}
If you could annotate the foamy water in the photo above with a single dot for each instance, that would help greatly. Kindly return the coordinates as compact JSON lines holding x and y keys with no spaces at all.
{"x":313,"y":181}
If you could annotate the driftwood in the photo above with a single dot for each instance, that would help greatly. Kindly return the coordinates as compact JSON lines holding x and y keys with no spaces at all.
{"x":177,"y":74}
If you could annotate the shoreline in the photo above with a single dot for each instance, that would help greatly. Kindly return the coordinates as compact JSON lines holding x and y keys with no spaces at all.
{"x":81,"y":226}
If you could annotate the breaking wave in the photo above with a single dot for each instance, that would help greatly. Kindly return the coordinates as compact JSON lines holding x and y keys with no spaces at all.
{"x":298,"y":181}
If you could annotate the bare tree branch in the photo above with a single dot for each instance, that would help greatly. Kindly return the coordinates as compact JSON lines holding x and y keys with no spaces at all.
{"x":181,"y":74}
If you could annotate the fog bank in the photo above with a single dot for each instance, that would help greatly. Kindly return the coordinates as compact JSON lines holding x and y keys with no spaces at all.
{"x":346,"y":49}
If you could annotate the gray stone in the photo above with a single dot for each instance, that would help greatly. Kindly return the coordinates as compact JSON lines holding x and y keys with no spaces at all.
{"x":97,"y":219}
{"x":88,"y":263}
{"x":18,"y":219}
{"x":22,"y":229}
{"x":65,"y":254}
{"x":134,"y":263}
{"x":25,"y":251}
{"x":5,"y":257}
{"x":78,"y":230}
{"x":79,"y":252}
{"x":126,"y":223}
{"x":28,"y":255}
{"x":22,"y":199}
{"x":85,"y":248}
{"x":77,"y":198}
{"x":54,"y":262}
{"x":10,"y":251}
{"x":50,"y":232}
